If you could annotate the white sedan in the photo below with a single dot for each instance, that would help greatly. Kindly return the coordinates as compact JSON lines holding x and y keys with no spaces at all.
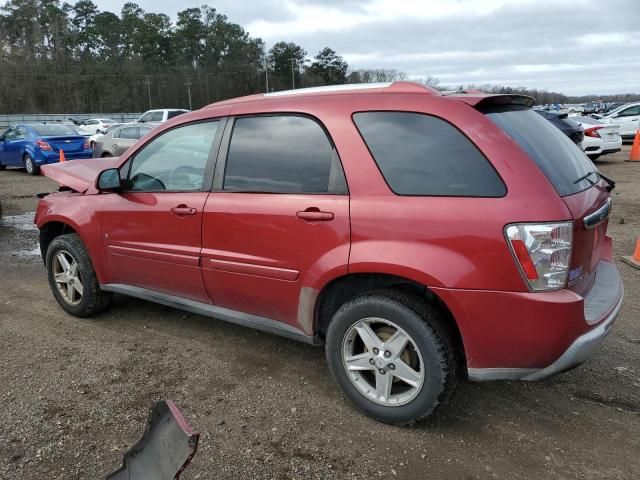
{"x":627,"y":116}
{"x":599,"y":138}
{"x":96,"y":125}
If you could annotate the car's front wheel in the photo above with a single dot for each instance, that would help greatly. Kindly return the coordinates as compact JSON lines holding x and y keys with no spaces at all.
{"x":391,"y":356}
{"x":72,"y":278}
{"x":30,"y":166}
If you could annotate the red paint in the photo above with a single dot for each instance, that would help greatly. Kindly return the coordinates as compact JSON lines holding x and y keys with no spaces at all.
{"x":255,"y":252}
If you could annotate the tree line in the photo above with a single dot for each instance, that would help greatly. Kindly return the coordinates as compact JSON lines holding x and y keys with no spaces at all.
{"x":61,"y":58}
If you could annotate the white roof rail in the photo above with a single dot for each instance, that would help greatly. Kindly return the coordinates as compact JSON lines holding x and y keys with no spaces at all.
{"x":330,"y":88}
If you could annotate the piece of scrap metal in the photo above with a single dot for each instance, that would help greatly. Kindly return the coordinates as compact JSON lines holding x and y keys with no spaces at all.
{"x":167,"y":446}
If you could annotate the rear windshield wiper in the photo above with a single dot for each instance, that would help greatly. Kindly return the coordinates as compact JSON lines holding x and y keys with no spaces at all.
{"x":586,"y":177}
{"x":610,"y":183}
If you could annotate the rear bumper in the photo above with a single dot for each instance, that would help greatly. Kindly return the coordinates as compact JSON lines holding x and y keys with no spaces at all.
{"x":599,"y":147}
{"x":537,"y":335}
{"x":54,"y":157}
{"x":601,"y":307}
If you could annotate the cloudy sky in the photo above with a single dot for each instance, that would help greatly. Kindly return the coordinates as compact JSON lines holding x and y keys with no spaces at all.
{"x":573,"y":46}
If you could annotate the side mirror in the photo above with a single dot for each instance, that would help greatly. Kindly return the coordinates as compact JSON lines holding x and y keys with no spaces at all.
{"x":109,"y":180}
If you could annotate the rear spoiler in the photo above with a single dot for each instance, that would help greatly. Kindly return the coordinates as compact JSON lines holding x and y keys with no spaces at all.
{"x":481,"y":101}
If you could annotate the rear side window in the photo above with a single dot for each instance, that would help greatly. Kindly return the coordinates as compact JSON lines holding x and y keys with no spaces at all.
{"x":174,"y":113}
{"x":158,"y":116}
{"x":131,"y":133}
{"x":423,"y":155}
{"x":562,"y":161}
{"x":282,"y":154}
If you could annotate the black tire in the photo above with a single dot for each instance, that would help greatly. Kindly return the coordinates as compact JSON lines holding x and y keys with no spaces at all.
{"x":2,"y":167}
{"x":106,"y":154}
{"x":593,"y":157}
{"x":424,"y":324}
{"x":30,"y":166}
{"x":93,"y":300}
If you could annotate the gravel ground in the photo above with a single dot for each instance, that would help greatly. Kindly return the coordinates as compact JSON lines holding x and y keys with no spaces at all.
{"x":75,"y":393}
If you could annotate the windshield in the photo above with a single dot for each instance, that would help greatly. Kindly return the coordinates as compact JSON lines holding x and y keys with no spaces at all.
{"x":52,"y":130}
{"x":563,"y":162}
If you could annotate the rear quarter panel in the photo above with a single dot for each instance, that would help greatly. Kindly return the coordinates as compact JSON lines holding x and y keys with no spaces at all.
{"x":437,"y":241}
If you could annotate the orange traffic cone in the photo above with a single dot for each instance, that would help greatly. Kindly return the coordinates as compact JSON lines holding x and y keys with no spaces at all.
{"x":62,"y":159}
{"x":634,"y":260}
{"x":634,"y":156}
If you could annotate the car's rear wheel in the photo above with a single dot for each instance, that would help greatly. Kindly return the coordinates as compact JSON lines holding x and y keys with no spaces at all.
{"x":2,"y":167}
{"x":106,"y":154}
{"x":30,"y":166}
{"x":72,"y":278}
{"x":391,"y":356}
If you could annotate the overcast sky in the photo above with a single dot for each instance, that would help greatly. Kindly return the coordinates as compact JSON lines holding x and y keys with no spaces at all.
{"x":573,"y":46}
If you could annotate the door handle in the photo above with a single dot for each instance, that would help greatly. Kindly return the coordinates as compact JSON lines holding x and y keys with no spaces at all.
{"x":183,"y":210}
{"x":314,"y":214}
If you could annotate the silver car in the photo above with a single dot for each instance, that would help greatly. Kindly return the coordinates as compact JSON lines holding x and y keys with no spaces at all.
{"x":118,"y":140}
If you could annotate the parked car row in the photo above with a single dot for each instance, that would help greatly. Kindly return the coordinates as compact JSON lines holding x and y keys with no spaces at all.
{"x":595,"y":137}
{"x":627,"y":116}
{"x":33,"y":145}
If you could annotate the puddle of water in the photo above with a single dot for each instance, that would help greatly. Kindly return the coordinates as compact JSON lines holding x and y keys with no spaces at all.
{"x":24,"y":221}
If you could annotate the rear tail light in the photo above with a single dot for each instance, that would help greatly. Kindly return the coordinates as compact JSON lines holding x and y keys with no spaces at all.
{"x":542,"y":252}
{"x":592,"y":132}
{"x":44,"y":146}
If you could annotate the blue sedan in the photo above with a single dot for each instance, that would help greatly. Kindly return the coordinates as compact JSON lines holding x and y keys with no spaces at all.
{"x":33,"y":145}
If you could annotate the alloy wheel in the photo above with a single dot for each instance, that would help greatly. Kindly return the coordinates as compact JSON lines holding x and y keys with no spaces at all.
{"x":67,"y":277}
{"x":383,"y":362}
{"x":28,"y":164}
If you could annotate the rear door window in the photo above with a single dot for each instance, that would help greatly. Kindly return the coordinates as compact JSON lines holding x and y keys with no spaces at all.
{"x":562,"y":161}
{"x":158,"y":117}
{"x":131,"y":133}
{"x":423,"y":155}
{"x":282,"y":154}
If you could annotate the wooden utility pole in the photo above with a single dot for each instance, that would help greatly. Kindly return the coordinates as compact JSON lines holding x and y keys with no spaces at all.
{"x":188,"y":84}
{"x":147,"y":82}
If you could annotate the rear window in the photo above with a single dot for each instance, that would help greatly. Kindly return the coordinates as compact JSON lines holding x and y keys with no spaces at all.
{"x":423,"y":155}
{"x":174,"y":113}
{"x":52,"y":130}
{"x":562,"y":161}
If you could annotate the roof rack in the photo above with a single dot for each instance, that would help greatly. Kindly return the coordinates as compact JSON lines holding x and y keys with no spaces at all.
{"x":390,"y":87}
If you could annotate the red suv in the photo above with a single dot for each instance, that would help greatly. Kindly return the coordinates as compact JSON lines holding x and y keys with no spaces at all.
{"x":422,"y":238}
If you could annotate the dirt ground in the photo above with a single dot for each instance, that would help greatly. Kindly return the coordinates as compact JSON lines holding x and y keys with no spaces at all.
{"x":75,"y":393}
